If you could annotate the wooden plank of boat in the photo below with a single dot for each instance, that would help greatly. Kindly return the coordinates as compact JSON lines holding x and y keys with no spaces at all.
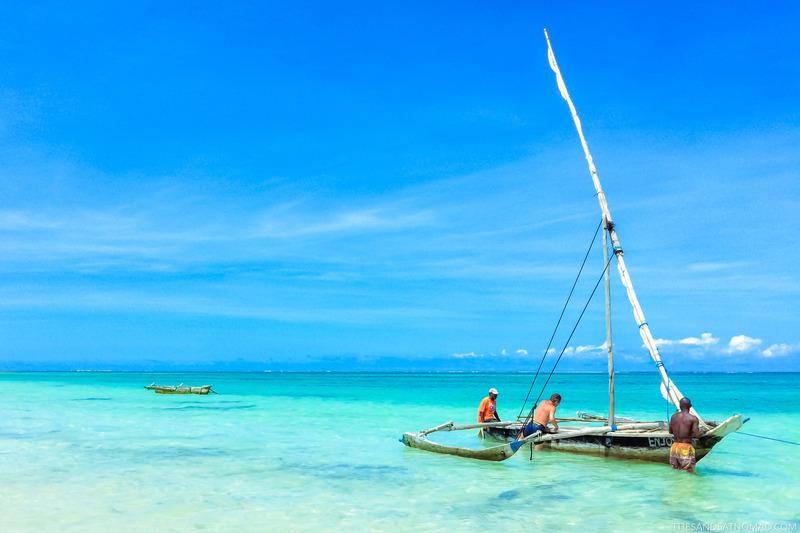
{"x":591,"y":417}
{"x":179,"y":389}
{"x":571,"y":434}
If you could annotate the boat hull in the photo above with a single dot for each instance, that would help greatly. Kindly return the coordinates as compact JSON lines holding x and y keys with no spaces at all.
{"x":651,"y":446}
{"x":205,"y":389}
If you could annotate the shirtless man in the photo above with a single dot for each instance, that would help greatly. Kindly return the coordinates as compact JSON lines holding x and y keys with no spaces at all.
{"x":684,"y":426}
{"x":545,"y":414}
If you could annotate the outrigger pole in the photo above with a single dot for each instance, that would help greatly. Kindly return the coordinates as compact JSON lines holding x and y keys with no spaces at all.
{"x":673,"y":393}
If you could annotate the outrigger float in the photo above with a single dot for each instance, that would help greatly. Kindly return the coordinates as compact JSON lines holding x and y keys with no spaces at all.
{"x":178,"y":389}
{"x":615,"y":436}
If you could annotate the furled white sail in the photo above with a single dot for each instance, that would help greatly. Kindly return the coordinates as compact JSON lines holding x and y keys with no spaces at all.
{"x":674,"y":395}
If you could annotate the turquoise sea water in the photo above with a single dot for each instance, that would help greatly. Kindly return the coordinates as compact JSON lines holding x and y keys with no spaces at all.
{"x":320,"y":452}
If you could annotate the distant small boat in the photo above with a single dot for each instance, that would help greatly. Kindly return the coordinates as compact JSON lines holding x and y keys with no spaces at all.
{"x":178,"y":389}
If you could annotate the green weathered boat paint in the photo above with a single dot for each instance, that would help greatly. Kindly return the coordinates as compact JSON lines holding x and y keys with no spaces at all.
{"x":178,"y":389}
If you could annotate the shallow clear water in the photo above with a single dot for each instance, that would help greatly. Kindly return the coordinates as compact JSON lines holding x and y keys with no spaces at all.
{"x":320,"y":451}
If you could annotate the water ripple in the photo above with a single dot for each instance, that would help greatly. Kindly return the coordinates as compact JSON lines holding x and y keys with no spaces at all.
{"x":91,"y":399}
{"x":207,"y":407}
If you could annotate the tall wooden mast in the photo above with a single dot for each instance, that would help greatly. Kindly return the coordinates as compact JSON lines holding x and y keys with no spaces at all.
{"x":638,"y":314}
{"x":609,"y":341}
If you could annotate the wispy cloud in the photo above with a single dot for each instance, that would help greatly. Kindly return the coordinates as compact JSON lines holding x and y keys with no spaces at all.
{"x":282,"y":225}
{"x":15,"y":220}
{"x":779,"y":350}
{"x":448,"y":253}
{"x":235,"y":302}
{"x":503,"y":354}
{"x":587,"y":351}
{"x":715,"y":266}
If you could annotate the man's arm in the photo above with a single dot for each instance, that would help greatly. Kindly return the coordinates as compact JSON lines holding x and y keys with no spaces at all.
{"x":672,"y":425}
{"x":553,"y":419}
{"x":695,"y":427}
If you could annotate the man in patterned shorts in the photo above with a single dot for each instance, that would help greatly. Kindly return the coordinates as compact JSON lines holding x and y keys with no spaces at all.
{"x":683,"y":426}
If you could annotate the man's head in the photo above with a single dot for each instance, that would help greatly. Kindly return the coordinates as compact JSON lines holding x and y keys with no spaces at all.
{"x":493,"y":393}
{"x":685,"y":404}
{"x":555,"y":398}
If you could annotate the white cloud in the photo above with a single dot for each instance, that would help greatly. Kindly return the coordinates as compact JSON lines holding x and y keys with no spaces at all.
{"x":778,"y":350}
{"x":738,"y":344}
{"x":503,"y":352}
{"x":662,"y":342}
{"x":467,"y":355}
{"x":522,"y":351}
{"x":585,"y":351}
{"x":705,"y":339}
{"x":591,"y":348}
{"x":742,"y":344}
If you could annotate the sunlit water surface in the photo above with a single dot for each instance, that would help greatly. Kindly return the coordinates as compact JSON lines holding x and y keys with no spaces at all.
{"x":320,"y":452}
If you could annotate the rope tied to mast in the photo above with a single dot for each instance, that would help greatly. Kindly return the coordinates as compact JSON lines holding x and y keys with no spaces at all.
{"x":558,"y":322}
{"x":566,"y":344}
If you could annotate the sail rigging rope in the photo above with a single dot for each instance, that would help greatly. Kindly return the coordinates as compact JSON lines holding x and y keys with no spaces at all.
{"x":669,"y":404}
{"x":566,"y":344}
{"x":558,"y":323}
{"x":768,"y":438}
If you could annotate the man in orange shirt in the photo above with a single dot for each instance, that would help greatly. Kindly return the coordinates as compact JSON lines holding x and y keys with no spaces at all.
{"x":545,"y":414}
{"x":487,"y":412}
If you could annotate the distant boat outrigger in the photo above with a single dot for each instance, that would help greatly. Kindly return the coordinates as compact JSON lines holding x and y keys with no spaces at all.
{"x":631,"y":439}
{"x":179,"y":389}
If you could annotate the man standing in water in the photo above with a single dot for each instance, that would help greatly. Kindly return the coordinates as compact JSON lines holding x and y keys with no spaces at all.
{"x":487,"y":412}
{"x":684,"y":426}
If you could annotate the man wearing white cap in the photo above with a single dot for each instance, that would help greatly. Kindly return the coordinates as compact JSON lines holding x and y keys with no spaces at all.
{"x":487,"y":412}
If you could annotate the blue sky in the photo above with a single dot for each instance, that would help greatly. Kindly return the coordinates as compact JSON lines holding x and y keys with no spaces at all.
{"x":320,"y":185}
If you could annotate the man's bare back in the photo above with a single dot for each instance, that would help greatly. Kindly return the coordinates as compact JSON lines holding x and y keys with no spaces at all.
{"x":684,"y":425}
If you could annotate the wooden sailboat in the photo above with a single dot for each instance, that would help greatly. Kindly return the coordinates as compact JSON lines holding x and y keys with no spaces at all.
{"x":178,"y":389}
{"x":630,"y":439}
{"x":641,"y":440}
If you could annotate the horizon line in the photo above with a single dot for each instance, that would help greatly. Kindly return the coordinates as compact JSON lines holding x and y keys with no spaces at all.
{"x":522,"y":372}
